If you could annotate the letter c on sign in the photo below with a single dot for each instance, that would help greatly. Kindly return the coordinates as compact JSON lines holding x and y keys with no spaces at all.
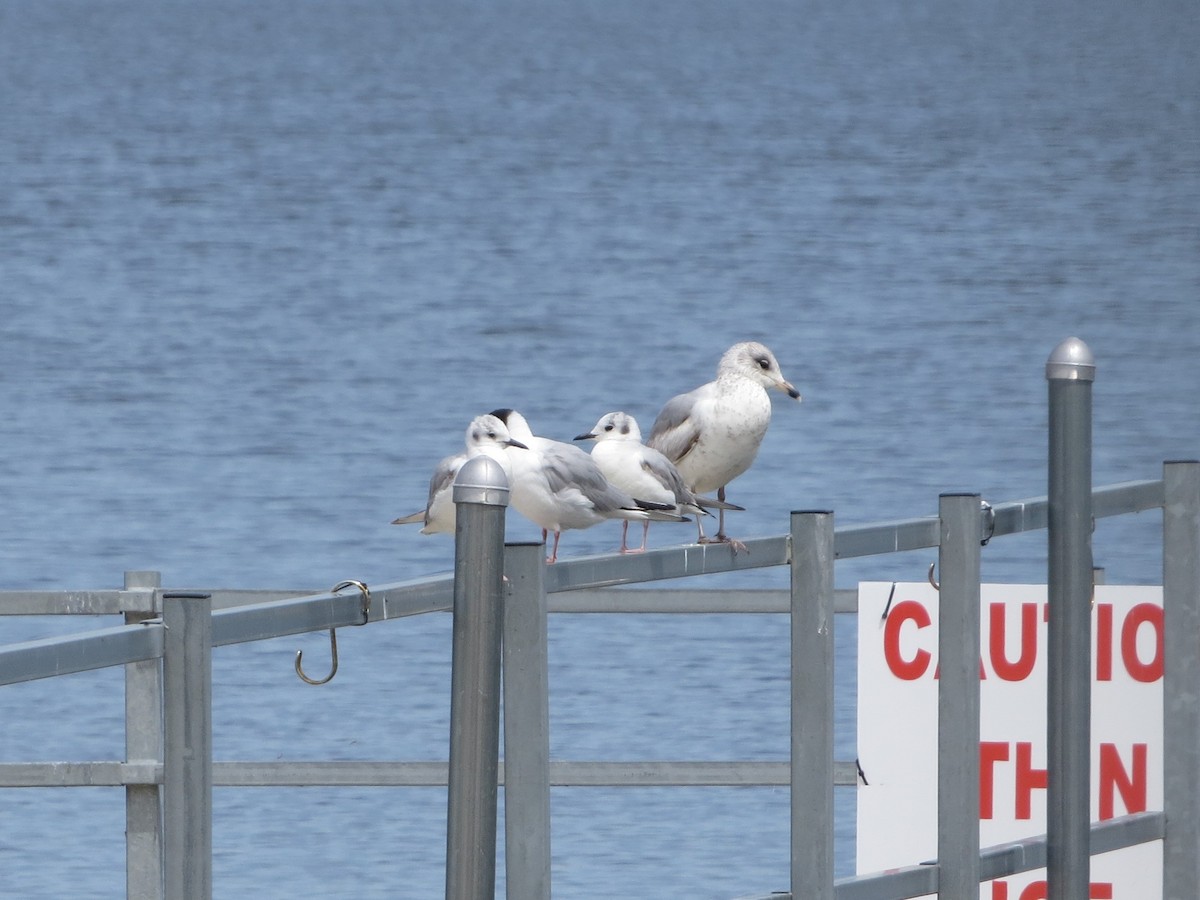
{"x":905,"y":669}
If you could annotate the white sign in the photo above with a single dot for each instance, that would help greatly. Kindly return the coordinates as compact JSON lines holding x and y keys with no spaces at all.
{"x":897,"y":728}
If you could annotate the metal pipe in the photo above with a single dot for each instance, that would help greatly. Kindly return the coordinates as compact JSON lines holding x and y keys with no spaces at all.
{"x":958,"y":695}
{"x":1181,"y":679}
{"x":187,"y":746}
{"x":143,"y":744}
{"x":1070,"y":371}
{"x":481,"y":495}
{"x":812,"y":767}
{"x":526,"y":725}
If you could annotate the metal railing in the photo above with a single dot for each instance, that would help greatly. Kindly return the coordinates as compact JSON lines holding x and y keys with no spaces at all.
{"x":501,"y":596}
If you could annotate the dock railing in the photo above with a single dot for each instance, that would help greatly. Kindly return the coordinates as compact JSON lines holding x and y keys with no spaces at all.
{"x":166,"y":647}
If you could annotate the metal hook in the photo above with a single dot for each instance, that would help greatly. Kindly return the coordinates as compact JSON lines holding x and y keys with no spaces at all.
{"x":888,"y":605}
{"x":363,"y":589}
{"x":936,"y":586}
{"x":333,"y":651}
{"x":332,"y":671}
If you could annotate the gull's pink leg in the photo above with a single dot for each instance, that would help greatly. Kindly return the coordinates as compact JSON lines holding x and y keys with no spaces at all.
{"x":722,"y":537}
{"x":625,"y":548}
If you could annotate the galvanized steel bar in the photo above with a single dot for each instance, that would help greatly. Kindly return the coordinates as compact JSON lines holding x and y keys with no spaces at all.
{"x":1070,"y":372}
{"x":764,"y":601}
{"x":63,"y":603}
{"x":526,"y":725}
{"x":666,"y":562}
{"x":1181,"y":680}
{"x":998,"y":861}
{"x":958,"y":696}
{"x":1003,"y":860}
{"x":366,"y":773}
{"x":812,"y":539}
{"x":143,"y":745}
{"x":480,"y":495}
{"x":879,"y":538}
{"x":79,"y":774}
{"x":187,"y":744}
{"x":895,"y":884}
{"x":48,"y":657}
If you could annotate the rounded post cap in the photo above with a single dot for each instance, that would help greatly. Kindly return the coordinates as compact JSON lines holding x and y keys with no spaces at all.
{"x":481,"y":480}
{"x":1071,"y":360}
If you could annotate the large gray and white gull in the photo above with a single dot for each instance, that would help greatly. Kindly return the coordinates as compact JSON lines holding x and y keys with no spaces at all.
{"x":642,"y":471}
{"x":486,"y":435}
{"x":712,"y":433}
{"x":558,"y":486}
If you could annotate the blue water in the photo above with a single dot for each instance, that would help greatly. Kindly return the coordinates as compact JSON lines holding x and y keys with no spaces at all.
{"x":263,"y":262}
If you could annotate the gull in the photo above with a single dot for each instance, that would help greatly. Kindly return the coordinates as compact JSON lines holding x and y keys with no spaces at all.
{"x":712,"y":433}
{"x":558,"y":486}
{"x":486,"y":435}
{"x":642,"y":471}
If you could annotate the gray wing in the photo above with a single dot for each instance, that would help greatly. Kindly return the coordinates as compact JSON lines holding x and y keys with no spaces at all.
{"x":566,"y":466}
{"x":658,"y":467}
{"x":443,"y":478}
{"x":677,"y":429}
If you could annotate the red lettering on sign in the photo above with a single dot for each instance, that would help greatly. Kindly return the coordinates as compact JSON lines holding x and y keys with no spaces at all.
{"x":1114,"y":777}
{"x":1142,"y":614}
{"x":990,"y":753}
{"x":1029,"y":779}
{"x":1104,"y":642}
{"x":1019,"y":670}
{"x":1037,"y":890}
{"x":918,"y":664}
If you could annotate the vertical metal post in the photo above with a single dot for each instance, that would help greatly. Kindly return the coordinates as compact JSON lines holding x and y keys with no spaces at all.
{"x":526,"y":725}
{"x":187,"y":745}
{"x":1181,"y":681}
{"x":481,"y":495}
{"x":958,"y":695}
{"x":1070,"y":371}
{"x":812,"y":705}
{"x":143,"y":744}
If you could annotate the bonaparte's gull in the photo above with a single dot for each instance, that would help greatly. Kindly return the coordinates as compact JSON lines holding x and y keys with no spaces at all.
{"x":558,"y":486}
{"x":712,"y":434}
{"x":642,"y":471}
{"x":486,"y":435}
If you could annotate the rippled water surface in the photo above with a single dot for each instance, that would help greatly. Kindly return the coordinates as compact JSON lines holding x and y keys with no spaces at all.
{"x":263,"y":262}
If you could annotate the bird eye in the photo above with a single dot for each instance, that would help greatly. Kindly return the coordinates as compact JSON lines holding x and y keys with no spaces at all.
{"x":764,"y":363}
{"x":608,"y":427}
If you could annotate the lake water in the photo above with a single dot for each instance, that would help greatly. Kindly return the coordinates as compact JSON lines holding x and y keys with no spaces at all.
{"x":263,"y":262}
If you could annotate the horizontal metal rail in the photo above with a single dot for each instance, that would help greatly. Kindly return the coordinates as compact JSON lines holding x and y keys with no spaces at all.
{"x":582,"y":574}
{"x":999,"y":861}
{"x":272,"y":616}
{"x":369,"y":773}
{"x":49,"y":657}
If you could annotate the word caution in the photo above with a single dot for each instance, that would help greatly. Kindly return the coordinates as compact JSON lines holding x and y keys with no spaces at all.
{"x":1129,"y":640}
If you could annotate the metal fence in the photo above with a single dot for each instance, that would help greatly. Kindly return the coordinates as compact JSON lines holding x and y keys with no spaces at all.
{"x":501,"y":596}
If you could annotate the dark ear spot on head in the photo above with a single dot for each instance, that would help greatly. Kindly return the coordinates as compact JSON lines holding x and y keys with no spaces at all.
{"x":625,"y":429}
